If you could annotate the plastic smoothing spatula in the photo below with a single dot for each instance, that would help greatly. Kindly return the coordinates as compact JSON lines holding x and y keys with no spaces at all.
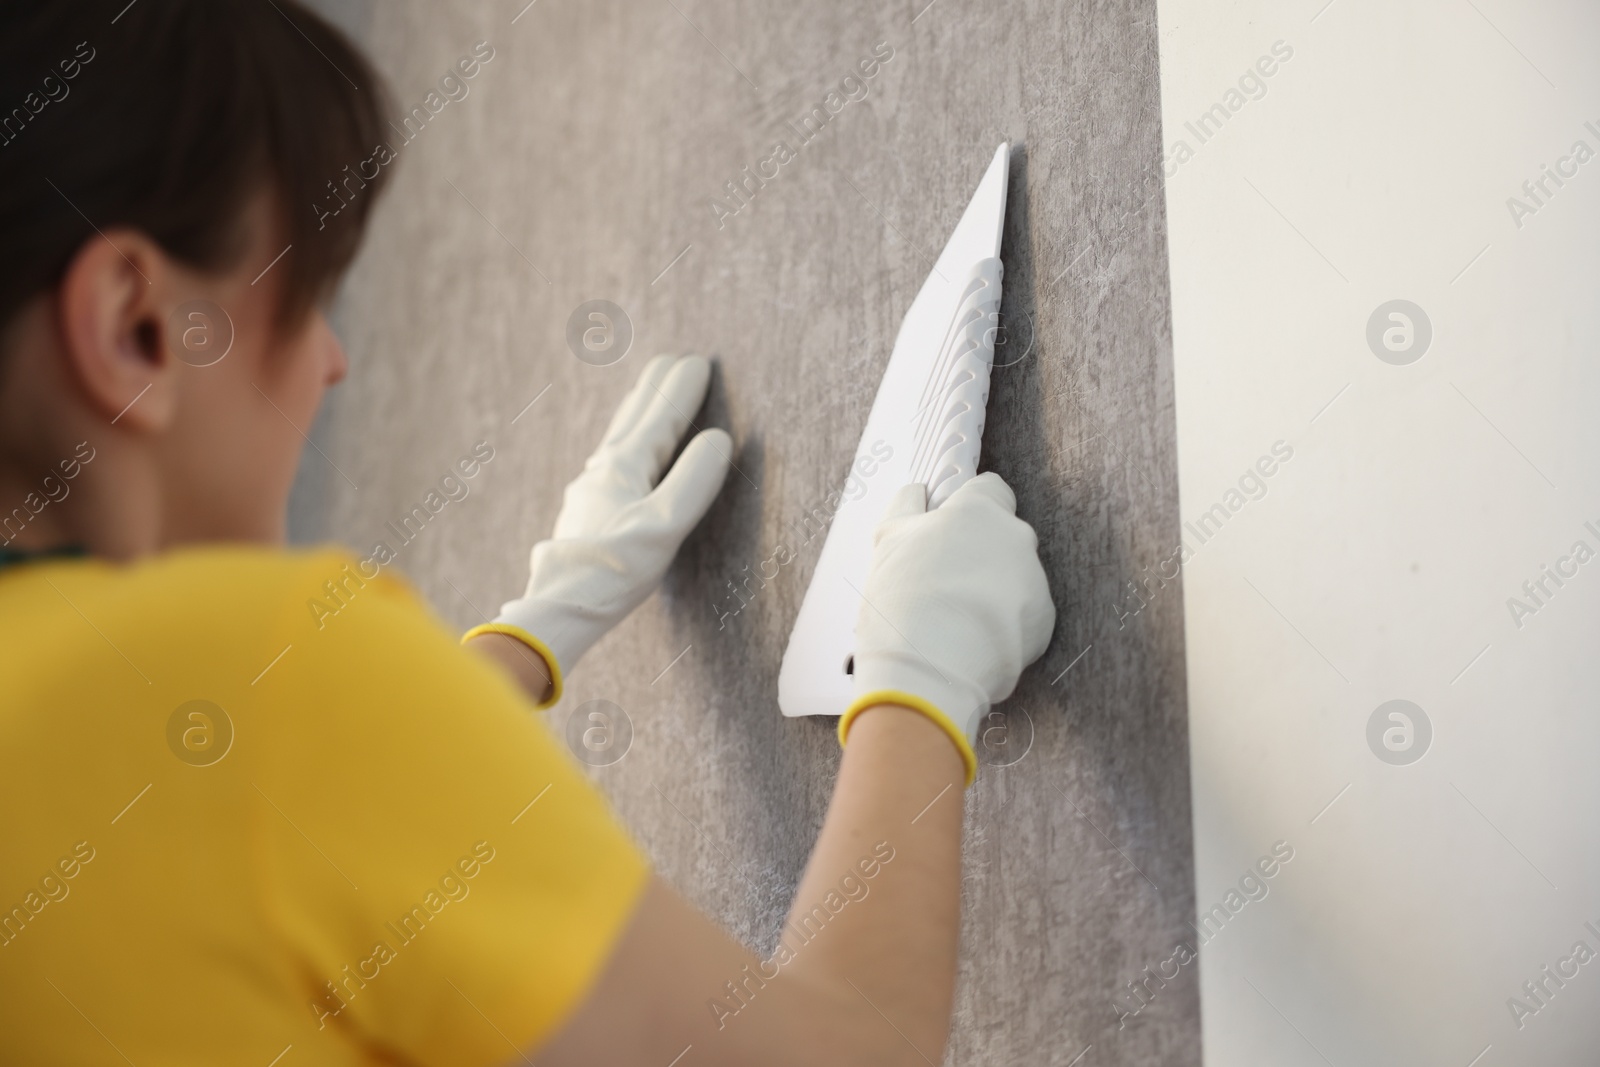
{"x":926,"y":426}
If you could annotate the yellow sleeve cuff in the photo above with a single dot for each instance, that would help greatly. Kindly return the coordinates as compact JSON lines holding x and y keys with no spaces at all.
{"x":532,"y":642}
{"x":900,"y":699}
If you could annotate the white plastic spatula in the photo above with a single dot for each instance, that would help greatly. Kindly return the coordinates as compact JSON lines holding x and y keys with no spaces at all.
{"x":926,"y":426}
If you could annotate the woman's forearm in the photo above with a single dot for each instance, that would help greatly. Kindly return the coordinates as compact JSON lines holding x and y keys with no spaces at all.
{"x":867,"y":980}
{"x":525,"y":665}
{"x":900,"y":793}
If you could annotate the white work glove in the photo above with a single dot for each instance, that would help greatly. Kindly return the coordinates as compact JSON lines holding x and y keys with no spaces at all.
{"x":618,"y":530}
{"x":955,"y":605}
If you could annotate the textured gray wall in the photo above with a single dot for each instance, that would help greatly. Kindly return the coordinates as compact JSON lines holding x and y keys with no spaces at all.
{"x":580,"y":166}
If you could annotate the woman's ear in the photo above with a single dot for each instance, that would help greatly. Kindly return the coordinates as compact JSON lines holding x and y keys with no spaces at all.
{"x":111,"y":304}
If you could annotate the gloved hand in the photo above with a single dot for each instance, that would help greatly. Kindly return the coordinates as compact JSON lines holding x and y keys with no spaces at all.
{"x":615,"y":534}
{"x":955,"y":605}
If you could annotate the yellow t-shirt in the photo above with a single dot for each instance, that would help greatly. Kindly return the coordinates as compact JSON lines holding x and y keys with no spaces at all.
{"x":371,"y":853}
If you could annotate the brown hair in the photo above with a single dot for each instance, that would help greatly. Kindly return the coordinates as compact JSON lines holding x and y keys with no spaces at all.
{"x":170,"y":116}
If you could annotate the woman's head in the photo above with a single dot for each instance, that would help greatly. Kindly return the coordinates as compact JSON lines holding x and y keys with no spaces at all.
{"x":165,"y":171}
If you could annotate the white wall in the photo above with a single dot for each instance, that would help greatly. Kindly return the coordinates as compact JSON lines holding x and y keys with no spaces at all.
{"x":1419,"y":497}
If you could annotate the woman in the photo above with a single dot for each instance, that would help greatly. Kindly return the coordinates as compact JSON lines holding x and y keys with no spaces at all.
{"x":260,"y":807}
